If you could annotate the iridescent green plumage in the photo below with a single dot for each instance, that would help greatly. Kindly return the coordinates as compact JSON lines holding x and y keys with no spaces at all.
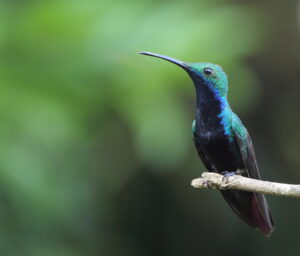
{"x":222,"y":141}
{"x":218,"y":79}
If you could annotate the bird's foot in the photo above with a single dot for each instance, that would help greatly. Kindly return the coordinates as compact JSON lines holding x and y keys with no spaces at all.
{"x":226,"y":174}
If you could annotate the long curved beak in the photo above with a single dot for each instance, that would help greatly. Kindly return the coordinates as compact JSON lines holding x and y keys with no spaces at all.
{"x":179,"y":63}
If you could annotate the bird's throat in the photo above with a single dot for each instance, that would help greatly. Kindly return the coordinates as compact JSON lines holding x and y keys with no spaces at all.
{"x":209,"y":109}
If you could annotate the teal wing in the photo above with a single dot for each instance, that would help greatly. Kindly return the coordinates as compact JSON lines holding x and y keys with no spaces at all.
{"x":246,"y":148}
{"x":194,"y":128}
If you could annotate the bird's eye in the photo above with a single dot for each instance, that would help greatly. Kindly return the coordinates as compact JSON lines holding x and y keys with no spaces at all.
{"x":208,"y":71}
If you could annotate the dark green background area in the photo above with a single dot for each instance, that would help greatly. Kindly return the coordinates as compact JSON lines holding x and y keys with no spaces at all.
{"x":96,"y":151}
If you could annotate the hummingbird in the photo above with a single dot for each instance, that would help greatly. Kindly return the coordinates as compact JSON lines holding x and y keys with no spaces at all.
{"x":223,"y":142}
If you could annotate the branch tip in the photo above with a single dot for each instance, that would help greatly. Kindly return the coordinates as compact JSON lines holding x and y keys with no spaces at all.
{"x":217,"y":181}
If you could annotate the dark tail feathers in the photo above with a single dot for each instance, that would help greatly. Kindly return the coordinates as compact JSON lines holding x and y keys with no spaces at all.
{"x":251,"y":208}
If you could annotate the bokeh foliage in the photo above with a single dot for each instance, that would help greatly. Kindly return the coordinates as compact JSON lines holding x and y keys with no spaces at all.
{"x":96,"y":149}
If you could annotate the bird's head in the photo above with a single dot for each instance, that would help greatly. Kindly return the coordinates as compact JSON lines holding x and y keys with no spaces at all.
{"x":203,"y":74}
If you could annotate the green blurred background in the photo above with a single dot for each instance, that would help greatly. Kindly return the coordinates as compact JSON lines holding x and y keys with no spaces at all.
{"x":96,"y":146}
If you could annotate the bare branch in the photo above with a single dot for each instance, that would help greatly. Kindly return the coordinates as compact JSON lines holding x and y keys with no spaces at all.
{"x":217,"y":181}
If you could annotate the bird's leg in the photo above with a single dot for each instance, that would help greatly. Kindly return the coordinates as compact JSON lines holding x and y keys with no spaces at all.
{"x":241,"y":172}
{"x":226,"y":174}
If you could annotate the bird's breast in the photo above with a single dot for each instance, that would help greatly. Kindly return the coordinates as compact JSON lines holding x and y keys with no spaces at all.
{"x":220,"y":152}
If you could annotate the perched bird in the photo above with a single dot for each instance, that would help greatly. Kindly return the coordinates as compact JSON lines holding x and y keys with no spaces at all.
{"x":222,"y":141}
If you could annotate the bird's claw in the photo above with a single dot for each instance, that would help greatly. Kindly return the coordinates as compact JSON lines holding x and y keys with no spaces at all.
{"x":226,"y":175}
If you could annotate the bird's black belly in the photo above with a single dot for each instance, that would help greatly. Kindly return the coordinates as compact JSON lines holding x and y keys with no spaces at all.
{"x":218,"y":153}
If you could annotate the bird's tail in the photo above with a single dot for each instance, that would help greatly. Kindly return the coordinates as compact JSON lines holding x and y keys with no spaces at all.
{"x":251,"y":208}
